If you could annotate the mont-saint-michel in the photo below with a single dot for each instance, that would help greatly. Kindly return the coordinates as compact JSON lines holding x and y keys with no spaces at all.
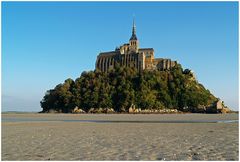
{"x":112,"y":89}
{"x":131,"y":80}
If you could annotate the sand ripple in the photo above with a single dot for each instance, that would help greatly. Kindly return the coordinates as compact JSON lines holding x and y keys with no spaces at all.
{"x":119,"y":141}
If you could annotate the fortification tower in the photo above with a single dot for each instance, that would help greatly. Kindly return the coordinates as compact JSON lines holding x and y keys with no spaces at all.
{"x":133,"y":42}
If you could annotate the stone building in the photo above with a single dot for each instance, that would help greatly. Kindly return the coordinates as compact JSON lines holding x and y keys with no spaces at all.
{"x":131,"y":55}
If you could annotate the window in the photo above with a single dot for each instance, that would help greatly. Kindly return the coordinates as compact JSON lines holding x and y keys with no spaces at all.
{"x":147,"y":55}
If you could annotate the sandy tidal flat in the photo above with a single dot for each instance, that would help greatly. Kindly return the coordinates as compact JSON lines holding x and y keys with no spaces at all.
{"x":65,"y":137}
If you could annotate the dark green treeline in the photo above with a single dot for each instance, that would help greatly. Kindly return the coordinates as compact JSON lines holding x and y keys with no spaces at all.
{"x":124,"y":86}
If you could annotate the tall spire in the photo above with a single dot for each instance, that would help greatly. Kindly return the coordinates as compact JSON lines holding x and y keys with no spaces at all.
{"x":134,"y":28}
{"x":133,"y":37}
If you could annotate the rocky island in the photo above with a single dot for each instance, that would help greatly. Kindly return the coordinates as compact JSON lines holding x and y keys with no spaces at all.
{"x":131,"y":80}
{"x":134,"y":104}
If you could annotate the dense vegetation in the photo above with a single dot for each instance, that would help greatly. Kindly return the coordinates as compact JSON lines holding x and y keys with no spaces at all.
{"x":124,"y":86}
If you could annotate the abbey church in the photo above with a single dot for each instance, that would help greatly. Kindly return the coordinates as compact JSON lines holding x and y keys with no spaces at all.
{"x":131,"y":55}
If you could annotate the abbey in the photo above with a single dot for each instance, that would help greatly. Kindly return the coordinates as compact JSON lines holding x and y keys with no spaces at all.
{"x":131,"y":55}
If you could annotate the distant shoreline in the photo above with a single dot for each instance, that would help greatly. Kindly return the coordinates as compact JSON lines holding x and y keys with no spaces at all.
{"x":19,"y":112}
{"x":23,"y":112}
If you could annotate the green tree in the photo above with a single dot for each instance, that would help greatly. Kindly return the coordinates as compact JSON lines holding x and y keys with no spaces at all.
{"x":121,"y":87}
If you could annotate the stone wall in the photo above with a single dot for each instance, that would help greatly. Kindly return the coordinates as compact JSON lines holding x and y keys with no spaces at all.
{"x":164,"y":64}
{"x":144,"y":59}
{"x":107,"y":61}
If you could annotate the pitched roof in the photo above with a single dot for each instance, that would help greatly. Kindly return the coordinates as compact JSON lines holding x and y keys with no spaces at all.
{"x":110,"y":53}
{"x":133,"y":37}
{"x":146,"y":49}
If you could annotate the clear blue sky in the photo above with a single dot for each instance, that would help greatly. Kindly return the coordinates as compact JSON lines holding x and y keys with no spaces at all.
{"x":44,"y":43}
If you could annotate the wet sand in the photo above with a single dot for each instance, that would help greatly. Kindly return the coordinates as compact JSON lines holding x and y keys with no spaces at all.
{"x":66,"y":137}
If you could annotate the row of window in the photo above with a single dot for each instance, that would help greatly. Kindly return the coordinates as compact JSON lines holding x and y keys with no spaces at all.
{"x":133,"y":43}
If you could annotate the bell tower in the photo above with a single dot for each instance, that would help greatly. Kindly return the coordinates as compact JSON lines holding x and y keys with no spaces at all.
{"x":133,"y":42}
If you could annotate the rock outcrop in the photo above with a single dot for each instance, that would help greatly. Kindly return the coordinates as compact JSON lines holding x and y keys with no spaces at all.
{"x":218,"y":107}
{"x":78,"y":110}
{"x":101,"y":110}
